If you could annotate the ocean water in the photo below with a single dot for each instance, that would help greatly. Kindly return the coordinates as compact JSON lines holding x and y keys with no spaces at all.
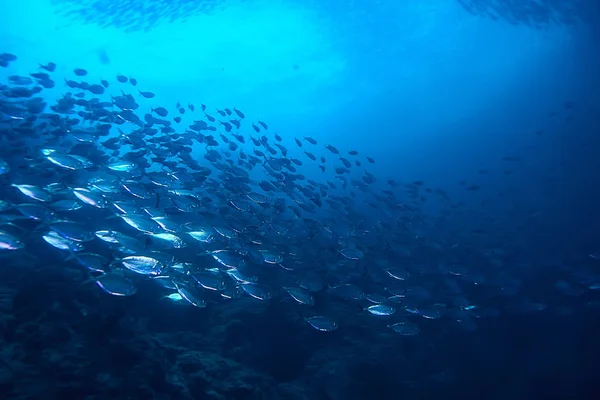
{"x":289,"y":199}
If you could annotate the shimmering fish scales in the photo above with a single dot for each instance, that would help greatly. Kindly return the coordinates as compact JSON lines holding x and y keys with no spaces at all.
{"x":122,"y":166}
{"x":91,"y":261}
{"x":209,"y":280}
{"x":256,"y":291}
{"x":9,"y":242}
{"x":72,"y":231}
{"x":321,"y":323}
{"x":381,"y":309}
{"x":168,"y":239}
{"x":61,"y":243}
{"x":191,"y":297}
{"x":302,"y":296}
{"x":116,"y":285}
{"x":352,"y":253}
{"x":201,"y":236}
{"x":143,"y":265}
{"x":33,"y":192}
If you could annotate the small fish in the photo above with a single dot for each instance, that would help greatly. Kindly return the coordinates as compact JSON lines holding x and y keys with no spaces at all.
{"x":405,"y":328}
{"x":147,"y":95}
{"x":122,"y":78}
{"x":80,"y":72}
{"x":332,"y":149}
{"x":301,"y":295}
{"x":88,"y":197}
{"x":122,"y":166}
{"x":256,"y":291}
{"x":50,"y":67}
{"x":61,"y":243}
{"x":116,"y":285}
{"x":142,"y":265}
{"x":321,"y":323}
{"x":352,"y":253}
{"x":175,"y":297}
{"x":381,"y":310}
{"x":9,"y":242}
{"x":33,"y":192}
{"x":311,"y":155}
{"x":96,"y":89}
{"x":161,"y":111}
{"x":170,"y":240}
{"x":72,"y":230}
{"x":239,"y":113}
{"x":4,"y":167}
{"x":397,"y":273}
{"x":192,"y":297}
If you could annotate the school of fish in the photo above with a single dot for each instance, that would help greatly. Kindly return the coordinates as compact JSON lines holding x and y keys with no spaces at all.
{"x":144,"y":15}
{"x":220,"y":208}
{"x":533,"y":13}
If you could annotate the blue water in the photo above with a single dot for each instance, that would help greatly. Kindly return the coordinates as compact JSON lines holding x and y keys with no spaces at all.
{"x":496,"y":116}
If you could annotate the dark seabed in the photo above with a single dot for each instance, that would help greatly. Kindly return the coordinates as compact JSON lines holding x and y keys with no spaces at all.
{"x":300,"y":200}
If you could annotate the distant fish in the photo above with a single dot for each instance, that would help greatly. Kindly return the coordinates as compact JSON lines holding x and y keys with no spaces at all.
{"x":332,"y":149}
{"x":103,"y":57}
{"x":147,"y":95}
{"x":6,"y":59}
{"x":96,"y":89}
{"x":239,"y":113}
{"x":161,"y":111}
{"x":311,"y":155}
{"x":50,"y":67}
